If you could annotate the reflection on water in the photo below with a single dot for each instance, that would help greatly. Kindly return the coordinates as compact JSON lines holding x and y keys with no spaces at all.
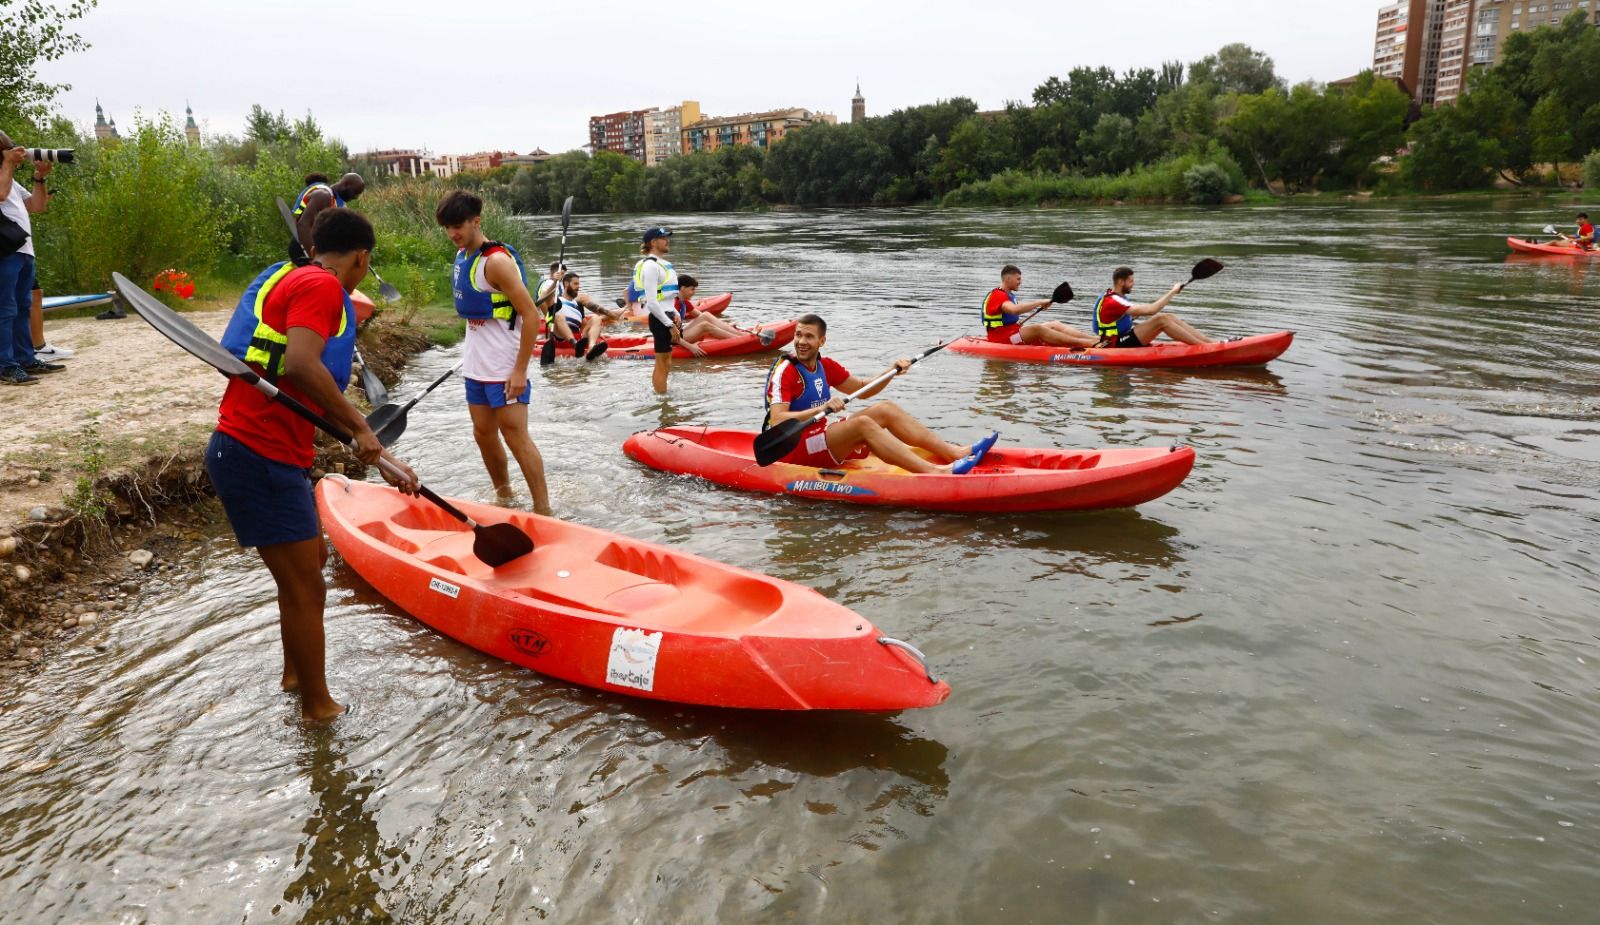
{"x":1346,"y":672}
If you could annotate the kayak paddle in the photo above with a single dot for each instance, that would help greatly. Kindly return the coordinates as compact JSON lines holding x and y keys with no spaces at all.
{"x":1205,"y":269}
{"x":377,"y":393}
{"x":388,"y":292}
{"x":566,"y":219}
{"x":389,"y":422}
{"x":494,"y":544}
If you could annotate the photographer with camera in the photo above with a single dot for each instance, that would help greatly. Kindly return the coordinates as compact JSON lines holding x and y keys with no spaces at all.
{"x":18,"y":364}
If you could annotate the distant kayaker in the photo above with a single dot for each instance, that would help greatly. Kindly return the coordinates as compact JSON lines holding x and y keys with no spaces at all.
{"x":1002,"y":318}
{"x":575,"y":319}
{"x":1115,"y":317}
{"x":1585,"y":237}
{"x":657,"y":284}
{"x":490,"y":286}
{"x":295,"y":327}
{"x":799,"y":382}
{"x":318,"y":195}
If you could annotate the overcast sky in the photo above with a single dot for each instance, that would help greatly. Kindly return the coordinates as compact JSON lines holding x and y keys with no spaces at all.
{"x":461,"y":77}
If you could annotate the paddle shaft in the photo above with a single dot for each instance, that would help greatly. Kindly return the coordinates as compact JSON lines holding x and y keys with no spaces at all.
{"x":885,"y":376}
{"x":333,"y":430}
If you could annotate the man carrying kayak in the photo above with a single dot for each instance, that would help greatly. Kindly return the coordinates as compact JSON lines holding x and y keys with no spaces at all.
{"x":568,"y":323}
{"x":800,"y":382}
{"x":491,"y":293}
{"x":317,"y":196}
{"x":295,"y":327}
{"x":657,"y":284}
{"x":1002,"y":318}
{"x":1114,"y":317}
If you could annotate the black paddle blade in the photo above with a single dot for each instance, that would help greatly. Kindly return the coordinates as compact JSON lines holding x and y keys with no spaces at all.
{"x":497,"y":544}
{"x":622,"y":303}
{"x":178,"y":329}
{"x":566,"y":212}
{"x":775,"y":443}
{"x":388,"y":423}
{"x":1205,"y":269}
{"x":1062,"y":295}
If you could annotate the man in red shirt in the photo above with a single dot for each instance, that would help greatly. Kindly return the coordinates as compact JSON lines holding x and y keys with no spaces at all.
{"x":1118,"y":322}
{"x":295,"y":327}
{"x":798,"y":383}
{"x":1002,"y":318}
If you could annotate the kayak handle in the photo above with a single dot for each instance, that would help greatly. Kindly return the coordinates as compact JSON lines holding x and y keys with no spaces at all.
{"x":921,"y":659}
{"x":340,"y":477}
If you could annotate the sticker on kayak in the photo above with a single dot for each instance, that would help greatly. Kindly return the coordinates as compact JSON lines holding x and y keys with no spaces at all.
{"x":529,"y":642}
{"x":443,"y":587}
{"x":1074,"y":357}
{"x":633,"y":659}
{"x":830,"y":488}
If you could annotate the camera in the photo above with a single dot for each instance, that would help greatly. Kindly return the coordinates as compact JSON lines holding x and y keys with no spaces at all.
{"x":53,"y":155}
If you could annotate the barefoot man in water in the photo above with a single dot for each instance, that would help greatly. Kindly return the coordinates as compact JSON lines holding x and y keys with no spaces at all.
{"x":295,"y":327}
{"x":491,"y":293}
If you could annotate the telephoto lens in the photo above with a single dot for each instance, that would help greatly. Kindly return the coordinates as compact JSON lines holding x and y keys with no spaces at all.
{"x":53,"y":155}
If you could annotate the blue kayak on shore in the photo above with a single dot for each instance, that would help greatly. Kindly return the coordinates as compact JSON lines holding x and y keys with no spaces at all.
{"x":76,"y":301}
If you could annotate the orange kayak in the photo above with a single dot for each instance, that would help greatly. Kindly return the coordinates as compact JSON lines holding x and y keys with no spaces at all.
{"x":1552,"y":249}
{"x":1247,"y":351}
{"x":635,"y":346}
{"x":622,"y":615}
{"x":1008,"y":479}
{"x":363,"y":306}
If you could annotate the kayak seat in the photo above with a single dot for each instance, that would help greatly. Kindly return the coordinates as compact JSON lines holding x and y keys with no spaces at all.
{"x":381,"y":531}
{"x":1050,"y":461}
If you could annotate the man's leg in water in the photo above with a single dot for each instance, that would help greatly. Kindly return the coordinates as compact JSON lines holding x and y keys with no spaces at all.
{"x":512,"y":421}
{"x":658,"y":377}
{"x":486,"y":432}
{"x":911,"y":431}
{"x":297,"y":570}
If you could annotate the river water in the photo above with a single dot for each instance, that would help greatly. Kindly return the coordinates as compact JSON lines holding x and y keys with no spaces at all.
{"x":1342,"y":674}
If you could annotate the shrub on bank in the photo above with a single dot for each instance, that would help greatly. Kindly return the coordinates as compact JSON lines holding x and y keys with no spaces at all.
{"x":1214,"y":173}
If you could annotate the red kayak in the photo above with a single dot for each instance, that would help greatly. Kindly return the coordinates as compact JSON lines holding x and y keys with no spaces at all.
{"x":363,"y":306}
{"x":621,"y":615}
{"x":1248,"y":351}
{"x":711,"y":305}
{"x":643,"y":346}
{"x":1552,"y":249}
{"x":1008,"y":479}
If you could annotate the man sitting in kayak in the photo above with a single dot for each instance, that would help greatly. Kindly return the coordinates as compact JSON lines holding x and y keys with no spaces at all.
{"x":1002,"y":318}
{"x":1585,"y":238}
{"x":699,"y":325}
{"x":1114,"y":317}
{"x":568,"y":323}
{"x":800,"y":382}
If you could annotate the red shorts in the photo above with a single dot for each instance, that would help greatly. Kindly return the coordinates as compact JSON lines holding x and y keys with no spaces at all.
{"x":813,"y":448}
{"x":1010,"y":334}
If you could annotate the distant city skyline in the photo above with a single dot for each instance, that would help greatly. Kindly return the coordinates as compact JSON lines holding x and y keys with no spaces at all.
{"x":386,"y":87}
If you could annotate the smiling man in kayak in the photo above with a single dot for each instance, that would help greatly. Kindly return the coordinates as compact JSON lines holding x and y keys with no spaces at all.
{"x":491,"y":292}
{"x":800,"y":382}
{"x":296,"y":328}
{"x":1115,"y":314}
{"x":1002,"y":318}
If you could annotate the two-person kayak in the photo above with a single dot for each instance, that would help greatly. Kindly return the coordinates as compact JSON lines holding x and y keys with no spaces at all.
{"x":642,"y":346}
{"x":1246,"y":351}
{"x":1007,"y":479}
{"x":622,"y":615}
{"x":1550,"y":248}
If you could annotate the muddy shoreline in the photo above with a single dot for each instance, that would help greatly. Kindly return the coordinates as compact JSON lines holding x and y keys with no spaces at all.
{"x":64,"y":569}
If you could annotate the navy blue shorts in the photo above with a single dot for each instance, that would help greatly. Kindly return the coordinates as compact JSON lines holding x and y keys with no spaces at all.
{"x":493,"y":394}
{"x":661,"y":334}
{"x":268,"y":502}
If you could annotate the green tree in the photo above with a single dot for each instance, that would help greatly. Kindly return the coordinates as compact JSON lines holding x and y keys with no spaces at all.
{"x":34,"y":32}
{"x":1236,"y":68}
{"x":1112,"y":146}
{"x":1550,"y":127}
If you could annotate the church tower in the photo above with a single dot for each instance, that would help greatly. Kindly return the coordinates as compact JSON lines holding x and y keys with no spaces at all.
{"x":190,"y":130}
{"x":102,"y":130}
{"x":858,"y":106}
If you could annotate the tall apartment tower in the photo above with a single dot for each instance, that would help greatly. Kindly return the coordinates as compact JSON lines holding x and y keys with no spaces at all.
{"x":858,"y":106}
{"x":1455,"y":51}
{"x":1407,"y":45}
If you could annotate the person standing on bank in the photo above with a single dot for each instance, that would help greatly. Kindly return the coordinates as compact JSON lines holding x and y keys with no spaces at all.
{"x":297,"y":330}
{"x":18,"y":364}
{"x":657,"y":283}
{"x":491,"y":293}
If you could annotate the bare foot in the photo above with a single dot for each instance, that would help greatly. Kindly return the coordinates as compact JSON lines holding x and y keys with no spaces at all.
{"x":321,"y":713}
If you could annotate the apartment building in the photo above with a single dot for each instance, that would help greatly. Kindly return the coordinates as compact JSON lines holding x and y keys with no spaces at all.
{"x":623,"y":132}
{"x":761,"y":129}
{"x":1495,"y":20}
{"x":1455,"y":52}
{"x":664,"y":132}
